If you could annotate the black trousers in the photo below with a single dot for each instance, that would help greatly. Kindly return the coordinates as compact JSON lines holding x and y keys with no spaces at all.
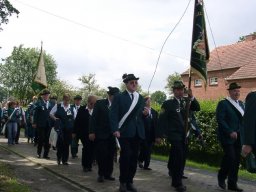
{"x":176,"y":162}
{"x":230,"y":162}
{"x":87,"y":152}
{"x":145,"y":153}
{"x":43,"y":140}
{"x":183,"y":163}
{"x":105,"y":151}
{"x":74,"y":146}
{"x":128,"y":159}
{"x":63,"y":143}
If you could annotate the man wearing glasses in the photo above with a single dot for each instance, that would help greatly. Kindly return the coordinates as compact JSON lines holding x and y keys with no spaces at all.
{"x":127,"y":125}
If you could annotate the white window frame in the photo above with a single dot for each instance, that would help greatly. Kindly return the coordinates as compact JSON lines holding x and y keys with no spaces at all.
{"x":198,"y":82}
{"x":213,"y":80}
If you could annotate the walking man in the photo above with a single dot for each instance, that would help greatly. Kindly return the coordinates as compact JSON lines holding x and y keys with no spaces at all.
{"x":229,"y":114}
{"x":172,"y":124}
{"x":127,"y":126}
{"x":100,"y":131}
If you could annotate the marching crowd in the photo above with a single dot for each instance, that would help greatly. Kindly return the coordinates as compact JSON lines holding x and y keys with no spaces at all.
{"x":126,"y":121}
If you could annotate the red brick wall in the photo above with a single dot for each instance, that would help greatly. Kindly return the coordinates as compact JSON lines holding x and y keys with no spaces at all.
{"x":214,"y":92}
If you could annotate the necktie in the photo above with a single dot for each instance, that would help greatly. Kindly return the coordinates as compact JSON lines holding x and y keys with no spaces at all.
{"x":132,"y":96}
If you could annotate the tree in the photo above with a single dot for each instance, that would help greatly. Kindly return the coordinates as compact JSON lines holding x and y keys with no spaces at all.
{"x":6,"y":10}
{"x":158,"y":97}
{"x":18,"y":70}
{"x":170,"y":80}
{"x":242,"y":38}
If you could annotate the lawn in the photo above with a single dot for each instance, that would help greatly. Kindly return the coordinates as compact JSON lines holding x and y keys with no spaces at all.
{"x":8,"y":181}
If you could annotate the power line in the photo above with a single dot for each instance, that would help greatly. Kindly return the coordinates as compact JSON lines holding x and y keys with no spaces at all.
{"x":96,"y":30}
{"x":160,"y":53}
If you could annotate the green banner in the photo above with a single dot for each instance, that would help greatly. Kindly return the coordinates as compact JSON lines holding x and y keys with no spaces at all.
{"x":200,"y":50}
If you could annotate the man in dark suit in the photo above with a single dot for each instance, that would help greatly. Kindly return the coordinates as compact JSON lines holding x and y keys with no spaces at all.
{"x":81,"y":130}
{"x":100,"y":131}
{"x":75,"y":140}
{"x":150,"y":117}
{"x":249,"y":131}
{"x":127,"y":125}
{"x":172,"y":125}
{"x":229,"y":114}
{"x":41,"y":122}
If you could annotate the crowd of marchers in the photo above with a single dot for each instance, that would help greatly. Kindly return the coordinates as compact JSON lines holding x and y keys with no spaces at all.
{"x":125,"y":121}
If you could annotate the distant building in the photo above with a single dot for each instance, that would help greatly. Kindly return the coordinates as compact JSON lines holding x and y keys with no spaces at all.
{"x":230,"y":63}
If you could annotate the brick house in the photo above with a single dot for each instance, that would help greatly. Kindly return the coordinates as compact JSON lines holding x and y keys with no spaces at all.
{"x":227,"y":64}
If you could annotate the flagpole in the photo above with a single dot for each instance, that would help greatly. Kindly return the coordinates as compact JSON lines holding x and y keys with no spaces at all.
{"x":189,"y":79}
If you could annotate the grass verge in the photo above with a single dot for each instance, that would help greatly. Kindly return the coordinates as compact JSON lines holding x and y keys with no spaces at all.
{"x":8,"y":182}
{"x":242,"y":173}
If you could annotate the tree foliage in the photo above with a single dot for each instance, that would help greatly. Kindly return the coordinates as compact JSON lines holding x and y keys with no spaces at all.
{"x":18,"y":70}
{"x":6,"y":10}
{"x":170,"y":80}
{"x":158,"y":97}
{"x":90,"y":86}
{"x":242,"y":38}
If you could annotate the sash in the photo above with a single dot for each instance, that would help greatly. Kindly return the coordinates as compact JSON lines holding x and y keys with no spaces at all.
{"x":134,"y":103}
{"x":236,"y":105}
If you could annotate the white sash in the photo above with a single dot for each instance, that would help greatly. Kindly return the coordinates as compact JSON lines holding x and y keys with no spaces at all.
{"x":134,"y":103}
{"x":236,"y":105}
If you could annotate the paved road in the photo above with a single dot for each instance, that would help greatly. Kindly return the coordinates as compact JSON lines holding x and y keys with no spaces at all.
{"x":156,"y":180}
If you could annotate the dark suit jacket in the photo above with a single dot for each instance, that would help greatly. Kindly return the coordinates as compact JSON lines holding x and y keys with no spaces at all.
{"x":171,"y":120}
{"x":150,"y":125}
{"x":229,"y":120}
{"x":249,"y":130}
{"x":134,"y":123}
{"x":81,"y":125}
{"x":100,"y":120}
{"x":42,"y":114}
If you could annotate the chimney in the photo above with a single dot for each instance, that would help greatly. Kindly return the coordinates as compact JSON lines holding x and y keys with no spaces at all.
{"x":250,"y":37}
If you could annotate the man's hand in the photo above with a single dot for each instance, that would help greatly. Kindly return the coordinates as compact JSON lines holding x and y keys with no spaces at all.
{"x":233,"y":135}
{"x":158,"y":140}
{"x":246,"y":149}
{"x":34,"y":125}
{"x":116,"y":134}
{"x":190,"y":94}
{"x":145,"y":112}
{"x":92,"y":136}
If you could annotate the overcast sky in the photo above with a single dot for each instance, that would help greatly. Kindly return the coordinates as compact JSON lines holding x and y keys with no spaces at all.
{"x":112,"y":37}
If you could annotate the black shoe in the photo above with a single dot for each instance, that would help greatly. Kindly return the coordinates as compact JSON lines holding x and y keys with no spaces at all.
{"x":147,"y":168}
{"x":46,"y":157}
{"x":140,"y":165}
{"x":122,"y":187}
{"x":38,"y":156}
{"x":130,"y":187}
{"x":65,"y":163}
{"x":90,"y":169}
{"x":234,"y":188}
{"x":58,"y":162}
{"x":221,"y":183}
{"x":85,"y":169}
{"x":184,"y":177}
{"x":181,"y":188}
{"x":100,"y":179}
{"x":17,"y":142}
{"x":110,"y":178}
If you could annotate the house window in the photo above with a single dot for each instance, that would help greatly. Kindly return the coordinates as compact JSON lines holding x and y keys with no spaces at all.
{"x":198,"y":82}
{"x":213,"y":81}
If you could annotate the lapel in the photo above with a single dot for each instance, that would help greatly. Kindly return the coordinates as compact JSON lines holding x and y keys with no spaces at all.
{"x":235,"y":109}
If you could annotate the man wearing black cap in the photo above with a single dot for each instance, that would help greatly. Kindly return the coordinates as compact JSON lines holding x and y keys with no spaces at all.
{"x":127,"y":125}
{"x":229,"y":114}
{"x":172,"y":124}
{"x":42,"y":123}
{"x":100,"y":131}
{"x":75,"y":140}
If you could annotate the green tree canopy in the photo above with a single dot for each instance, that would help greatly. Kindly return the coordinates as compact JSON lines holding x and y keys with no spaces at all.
{"x":18,"y":70}
{"x":6,"y":10}
{"x":158,"y":97}
{"x":170,"y":80}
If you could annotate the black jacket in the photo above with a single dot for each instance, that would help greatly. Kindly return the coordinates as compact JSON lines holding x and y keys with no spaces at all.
{"x":81,"y":125}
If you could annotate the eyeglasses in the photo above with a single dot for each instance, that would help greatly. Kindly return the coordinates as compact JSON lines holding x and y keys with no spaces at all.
{"x":133,"y":82}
